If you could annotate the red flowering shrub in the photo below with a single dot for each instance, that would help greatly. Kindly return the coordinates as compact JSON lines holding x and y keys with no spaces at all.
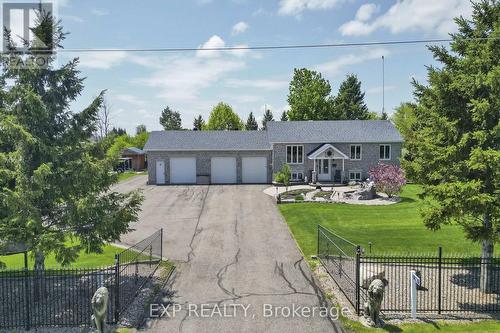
{"x":388,"y":178}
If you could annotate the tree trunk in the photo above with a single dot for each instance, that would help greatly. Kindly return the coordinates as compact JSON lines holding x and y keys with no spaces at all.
{"x":39,"y":283}
{"x":486,"y":280}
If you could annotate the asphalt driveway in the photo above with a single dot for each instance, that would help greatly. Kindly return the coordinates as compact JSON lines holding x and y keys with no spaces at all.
{"x":233,"y":253}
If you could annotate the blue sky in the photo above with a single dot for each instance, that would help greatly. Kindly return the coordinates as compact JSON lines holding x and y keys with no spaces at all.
{"x":140,"y":85}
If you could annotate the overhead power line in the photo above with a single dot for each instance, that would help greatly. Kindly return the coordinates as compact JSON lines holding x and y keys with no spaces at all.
{"x":271,"y":47}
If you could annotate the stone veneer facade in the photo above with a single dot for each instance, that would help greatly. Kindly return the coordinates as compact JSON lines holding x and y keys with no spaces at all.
{"x":370,"y":153}
{"x":275,"y":160}
{"x":203,"y":162}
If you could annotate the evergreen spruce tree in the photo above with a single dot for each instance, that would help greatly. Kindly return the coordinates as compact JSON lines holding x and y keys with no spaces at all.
{"x":55,"y":182}
{"x":170,"y":120}
{"x":268,"y":116}
{"x":455,"y":146}
{"x":349,"y":103}
{"x":251,"y":124}
{"x":198,"y":123}
{"x":284,"y":116}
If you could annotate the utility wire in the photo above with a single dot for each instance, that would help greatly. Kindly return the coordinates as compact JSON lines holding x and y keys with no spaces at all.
{"x":273,"y":47}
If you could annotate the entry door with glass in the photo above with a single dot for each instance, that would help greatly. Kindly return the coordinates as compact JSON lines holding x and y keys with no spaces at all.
{"x":324,"y":172}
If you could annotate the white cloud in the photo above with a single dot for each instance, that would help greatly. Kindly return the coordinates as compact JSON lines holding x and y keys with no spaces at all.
{"x":213,"y":42}
{"x":130,"y":99}
{"x":73,"y":18}
{"x":262,"y":12}
{"x":430,"y":16}
{"x":241,"y":51}
{"x":181,"y":79}
{"x":239,"y":28}
{"x":334,"y":67}
{"x":296,"y":7}
{"x":366,"y":11}
{"x":242,"y":98}
{"x":99,"y":12}
{"x":103,"y":60}
{"x":267,"y":84}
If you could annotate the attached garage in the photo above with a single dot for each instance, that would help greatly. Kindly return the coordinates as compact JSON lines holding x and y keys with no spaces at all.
{"x":254,"y":170}
{"x":209,"y":157}
{"x":223,"y":170}
{"x":183,"y":170}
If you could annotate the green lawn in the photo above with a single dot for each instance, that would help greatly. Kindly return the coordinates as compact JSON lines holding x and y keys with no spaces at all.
{"x":85,"y":260}
{"x":129,"y":174}
{"x":487,"y":326}
{"x":396,"y":228}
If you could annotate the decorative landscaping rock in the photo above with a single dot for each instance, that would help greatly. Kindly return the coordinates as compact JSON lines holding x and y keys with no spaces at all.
{"x":367,"y":192}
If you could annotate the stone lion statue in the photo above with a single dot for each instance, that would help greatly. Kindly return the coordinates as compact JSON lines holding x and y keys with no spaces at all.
{"x":100,"y":309}
{"x":371,"y":315}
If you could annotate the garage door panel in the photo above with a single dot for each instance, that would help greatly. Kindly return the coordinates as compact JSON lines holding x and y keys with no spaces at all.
{"x":254,"y":170}
{"x":183,"y":170}
{"x":223,"y":170}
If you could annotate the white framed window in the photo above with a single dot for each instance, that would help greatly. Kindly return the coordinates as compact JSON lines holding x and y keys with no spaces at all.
{"x":297,"y":176}
{"x":355,"y":152}
{"x":385,"y":152}
{"x":295,"y":154}
{"x":355,"y":175}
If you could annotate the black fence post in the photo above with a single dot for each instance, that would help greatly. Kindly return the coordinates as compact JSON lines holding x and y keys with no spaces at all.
{"x":117,"y":288}
{"x":27,"y":291}
{"x":161,"y":245}
{"x":150,"y":255}
{"x":317,"y":243}
{"x":440,"y":263}
{"x":357,"y":279}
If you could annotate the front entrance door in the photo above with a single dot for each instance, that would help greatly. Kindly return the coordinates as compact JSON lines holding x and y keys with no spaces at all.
{"x":324,"y":172}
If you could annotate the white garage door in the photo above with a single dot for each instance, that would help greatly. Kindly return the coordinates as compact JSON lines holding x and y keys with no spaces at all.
{"x":254,"y":170}
{"x":223,"y":170}
{"x":183,"y":170}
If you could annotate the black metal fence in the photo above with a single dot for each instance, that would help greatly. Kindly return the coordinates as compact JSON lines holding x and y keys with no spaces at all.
{"x":134,"y":267}
{"x":61,"y":297}
{"x":449,"y":284}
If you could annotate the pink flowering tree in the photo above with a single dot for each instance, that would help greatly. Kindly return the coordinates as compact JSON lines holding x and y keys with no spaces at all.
{"x":388,"y":178}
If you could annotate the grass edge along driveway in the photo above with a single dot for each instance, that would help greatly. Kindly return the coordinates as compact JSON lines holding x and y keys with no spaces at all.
{"x":395,"y":229}
{"x":85,"y":260}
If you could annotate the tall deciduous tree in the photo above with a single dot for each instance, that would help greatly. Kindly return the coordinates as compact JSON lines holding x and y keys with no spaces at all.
{"x":309,"y":96}
{"x":55,"y":184}
{"x":268,"y":116}
{"x":456,"y":145}
{"x":104,"y":120}
{"x":198,"y":123}
{"x":170,"y":120}
{"x":223,"y":117}
{"x":251,"y":124}
{"x":350,"y":103}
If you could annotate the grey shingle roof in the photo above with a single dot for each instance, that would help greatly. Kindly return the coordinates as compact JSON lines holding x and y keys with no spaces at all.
{"x":207,"y":140}
{"x":347,"y":131}
{"x":133,"y":150}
